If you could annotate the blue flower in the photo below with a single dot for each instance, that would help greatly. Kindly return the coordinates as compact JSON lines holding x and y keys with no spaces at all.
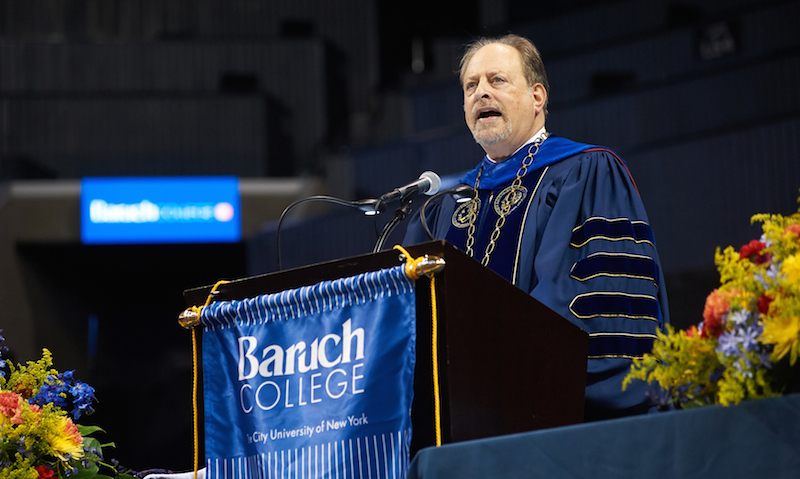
{"x":660,"y":397}
{"x":20,"y":445}
{"x":749,"y":337}
{"x":2,"y":350}
{"x":763,"y":358}
{"x":83,"y":395}
{"x":716,"y":375}
{"x":54,"y":390}
{"x":773,"y":270}
{"x":744,"y":366}
{"x":728,"y":344}
{"x":739,"y":317}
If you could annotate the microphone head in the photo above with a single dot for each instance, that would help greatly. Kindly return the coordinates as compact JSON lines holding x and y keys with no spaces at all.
{"x":434,"y":182}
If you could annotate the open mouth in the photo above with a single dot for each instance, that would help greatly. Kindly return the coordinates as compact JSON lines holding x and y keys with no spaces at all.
{"x":488,"y":113}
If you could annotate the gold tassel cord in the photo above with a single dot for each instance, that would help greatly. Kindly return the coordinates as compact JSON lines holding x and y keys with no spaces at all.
{"x":435,"y":360}
{"x":190,"y":319}
{"x":415,"y":268}
{"x":195,"y":420}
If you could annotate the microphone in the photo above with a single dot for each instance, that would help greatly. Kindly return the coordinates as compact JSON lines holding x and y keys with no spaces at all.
{"x":427,"y":183}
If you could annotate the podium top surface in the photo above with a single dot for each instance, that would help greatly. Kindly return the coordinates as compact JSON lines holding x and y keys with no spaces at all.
{"x":276,"y":282}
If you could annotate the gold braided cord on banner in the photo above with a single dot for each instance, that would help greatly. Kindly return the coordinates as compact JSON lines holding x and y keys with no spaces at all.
{"x":435,"y":358}
{"x":195,"y":311}
{"x":195,"y":426}
{"x":413,"y":268}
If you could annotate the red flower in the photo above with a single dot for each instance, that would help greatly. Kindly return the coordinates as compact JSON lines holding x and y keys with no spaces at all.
{"x":712,"y":327}
{"x":44,"y":472}
{"x":692,"y":332}
{"x":763,"y":304}
{"x":752,"y":251}
{"x":24,"y":390}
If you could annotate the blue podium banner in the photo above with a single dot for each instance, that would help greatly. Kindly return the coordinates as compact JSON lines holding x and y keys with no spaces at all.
{"x":311,"y":382}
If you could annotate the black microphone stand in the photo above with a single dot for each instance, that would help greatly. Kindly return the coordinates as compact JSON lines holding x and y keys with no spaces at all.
{"x":399,"y":215}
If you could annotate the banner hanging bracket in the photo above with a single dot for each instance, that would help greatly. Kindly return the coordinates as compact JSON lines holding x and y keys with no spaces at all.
{"x":425,"y":265}
{"x":190,"y":317}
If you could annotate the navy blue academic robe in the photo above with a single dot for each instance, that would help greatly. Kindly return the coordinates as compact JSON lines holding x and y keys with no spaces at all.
{"x":578,"y":240}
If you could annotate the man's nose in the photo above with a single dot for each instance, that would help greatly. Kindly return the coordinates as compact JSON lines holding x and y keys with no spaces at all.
{"x":482,"y":90}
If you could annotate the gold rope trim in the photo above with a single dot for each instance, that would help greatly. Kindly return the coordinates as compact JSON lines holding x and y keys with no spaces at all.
{"x":437,"y":406}
{"x":411,"y":263}
{"x":412,"y":272}
{"x":195,"y":422}
{"x":195,"y":419}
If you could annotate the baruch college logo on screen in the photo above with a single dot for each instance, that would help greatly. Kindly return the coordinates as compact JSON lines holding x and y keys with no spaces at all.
{"x":160,"y":210}
{"x":147,"y":212}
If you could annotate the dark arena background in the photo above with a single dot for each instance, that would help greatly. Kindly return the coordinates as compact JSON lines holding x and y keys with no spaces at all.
{"x":348,"y":98}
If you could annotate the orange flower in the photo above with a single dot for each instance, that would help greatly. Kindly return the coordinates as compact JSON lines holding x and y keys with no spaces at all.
{"x":793,"y":228}
{"x":71,"y":431}
{"x":717,"y":305}
{"x":11,"y":406}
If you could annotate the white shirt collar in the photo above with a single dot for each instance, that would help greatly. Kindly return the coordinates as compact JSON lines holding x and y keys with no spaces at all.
{"x":539,"y":135}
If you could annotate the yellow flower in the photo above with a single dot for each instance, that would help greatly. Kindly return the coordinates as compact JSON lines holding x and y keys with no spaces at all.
{"x":791,"y":268}
{"x":66,"y":440}
{"x":784,"y":333}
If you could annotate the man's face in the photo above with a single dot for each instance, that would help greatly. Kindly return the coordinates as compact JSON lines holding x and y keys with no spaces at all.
{"x":501,"y":110}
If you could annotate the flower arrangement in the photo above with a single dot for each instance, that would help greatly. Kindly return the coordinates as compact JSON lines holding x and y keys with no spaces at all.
{"x":748,"y":343}
{"x":39,"y":438}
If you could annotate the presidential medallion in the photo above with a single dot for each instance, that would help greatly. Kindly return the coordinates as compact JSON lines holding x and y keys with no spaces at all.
{"x":509,"y":199}
{"x":462,"y":214}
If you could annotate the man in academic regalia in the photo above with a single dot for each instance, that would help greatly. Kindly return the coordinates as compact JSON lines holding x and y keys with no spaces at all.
{"x":559,"y":219}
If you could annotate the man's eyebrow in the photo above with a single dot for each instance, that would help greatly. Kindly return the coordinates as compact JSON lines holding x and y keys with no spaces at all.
{"x":502,"y":73}
{"x":490,"y":73}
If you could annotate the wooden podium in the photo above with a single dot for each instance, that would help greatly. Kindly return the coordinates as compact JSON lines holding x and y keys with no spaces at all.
{"x":507,"y":363}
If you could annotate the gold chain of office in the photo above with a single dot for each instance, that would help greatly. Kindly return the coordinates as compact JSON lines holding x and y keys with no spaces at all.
{"x":505,"y":207}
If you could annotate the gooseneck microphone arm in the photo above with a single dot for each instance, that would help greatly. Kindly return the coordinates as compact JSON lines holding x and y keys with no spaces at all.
{"x":369,"y":207}
{"x":428,"y":183}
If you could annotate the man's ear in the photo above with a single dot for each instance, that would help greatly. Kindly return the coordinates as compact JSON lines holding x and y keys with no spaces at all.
{"x":539,"y":95}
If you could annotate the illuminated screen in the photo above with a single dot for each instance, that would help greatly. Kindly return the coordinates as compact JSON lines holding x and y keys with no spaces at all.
{"x":160,"y":210}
